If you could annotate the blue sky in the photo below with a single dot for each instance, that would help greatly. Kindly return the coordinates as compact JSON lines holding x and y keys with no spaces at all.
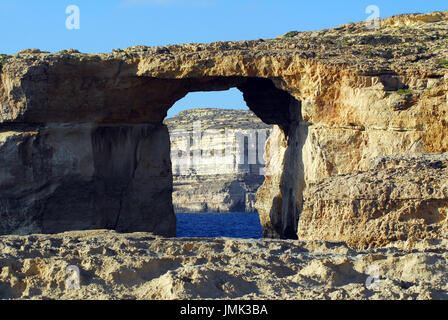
{"x":111,"y":24}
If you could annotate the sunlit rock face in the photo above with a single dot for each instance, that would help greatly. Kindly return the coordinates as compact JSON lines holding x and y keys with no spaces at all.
{"x":398,"y":198}
{"x":218,"y":159}
{"x":336,"y":98}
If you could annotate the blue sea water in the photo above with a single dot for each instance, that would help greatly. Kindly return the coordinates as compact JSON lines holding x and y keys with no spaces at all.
{"x":217,"y":225}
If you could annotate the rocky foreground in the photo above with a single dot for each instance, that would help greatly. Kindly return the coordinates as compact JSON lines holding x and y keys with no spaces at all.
{"x":143,"y":266}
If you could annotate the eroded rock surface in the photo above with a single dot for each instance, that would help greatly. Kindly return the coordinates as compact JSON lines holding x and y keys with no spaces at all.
{"x":142,"y":266}
{"x":399,"y":197}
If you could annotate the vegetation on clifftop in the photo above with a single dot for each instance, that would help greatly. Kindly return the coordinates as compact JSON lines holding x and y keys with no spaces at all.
{"x":404,"y":92}
{"x":444,"y":63}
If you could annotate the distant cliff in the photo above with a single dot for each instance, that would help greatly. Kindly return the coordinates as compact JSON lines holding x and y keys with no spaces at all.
{"x":217,"y":159}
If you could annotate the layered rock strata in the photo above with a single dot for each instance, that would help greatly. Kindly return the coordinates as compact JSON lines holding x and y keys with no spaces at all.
{"x":229,"y":166}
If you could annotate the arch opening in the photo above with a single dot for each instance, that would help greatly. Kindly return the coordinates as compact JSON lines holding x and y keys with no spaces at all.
{"x":217,"y":149}
{"x":237,"y":171}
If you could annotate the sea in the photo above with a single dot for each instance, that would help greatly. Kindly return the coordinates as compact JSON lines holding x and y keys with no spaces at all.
{"x":219,"y":225}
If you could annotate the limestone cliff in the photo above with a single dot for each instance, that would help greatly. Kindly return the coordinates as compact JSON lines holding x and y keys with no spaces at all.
{"x":400,"y":197}
{"x":230,"y":168}
{"x":63,"y":176}
{"x":337,"y":97}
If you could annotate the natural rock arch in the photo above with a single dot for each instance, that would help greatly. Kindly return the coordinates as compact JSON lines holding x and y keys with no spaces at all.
{"x":81,"y":135}
{"x":96,"y":155}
